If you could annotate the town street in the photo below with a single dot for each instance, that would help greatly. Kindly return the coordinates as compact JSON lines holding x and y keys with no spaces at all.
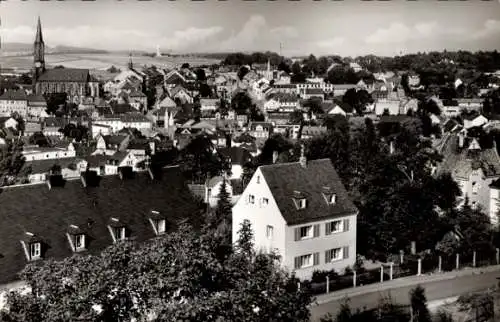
{"x":434,"y":290}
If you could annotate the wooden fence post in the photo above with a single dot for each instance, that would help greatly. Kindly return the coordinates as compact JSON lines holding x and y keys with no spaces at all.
{"x":474,"y":259}
{"x":354,"y":278}
{"x":391,"y":270}
{"x":457,"y":266}
{"x":381,"y":273}
{"x":440,"y":263}
{"x":419,"y":267}
{"x":401,"y":256}
{"x":327,"y":284}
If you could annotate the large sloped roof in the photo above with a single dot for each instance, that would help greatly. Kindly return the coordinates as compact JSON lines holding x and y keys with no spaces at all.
{"x":50,"y":213}
{"x":65,"y":75}
{"x":284,"y":179}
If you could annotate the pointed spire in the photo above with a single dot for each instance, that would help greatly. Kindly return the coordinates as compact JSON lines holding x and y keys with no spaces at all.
{"x":39,"y":38}
{"x":130,"y":64}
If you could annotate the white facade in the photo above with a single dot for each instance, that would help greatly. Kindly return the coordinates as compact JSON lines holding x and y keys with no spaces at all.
{"x":494,"y":205}
{"x":101,"y":129}
{"x":272,"y":233}
{"x":32,"y":154}
{"x":385,"y":104}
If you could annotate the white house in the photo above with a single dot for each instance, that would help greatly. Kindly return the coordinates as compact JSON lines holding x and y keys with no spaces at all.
{"x":43,"y":153}
{"x":302,"y":211}
{"x":208,"y":104}
{"x":471,"y":122}
{"x":237,"y":157}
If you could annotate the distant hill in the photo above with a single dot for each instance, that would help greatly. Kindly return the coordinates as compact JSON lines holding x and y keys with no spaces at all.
{"x":14,"y":47}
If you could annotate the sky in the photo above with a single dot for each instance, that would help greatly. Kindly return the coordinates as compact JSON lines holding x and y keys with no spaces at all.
{"x":346,"y":28}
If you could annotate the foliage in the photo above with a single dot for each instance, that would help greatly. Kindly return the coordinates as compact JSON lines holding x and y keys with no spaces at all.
{"x":178,"y":276}
{"x":39,"y":139}
{"x":241,"y":103}
{"x":481,"y":305}
{"x":200,"y":161}
{"x":77,"y":132}
{"x":220,"y":220}
{"x":185,"y":65}
{"x":358,"y":99}
{"x":11,"y":162}
{"x":238,"y":59}
{"x":342,"y":74}
{"x":200,"y":75}
{"x":296,"y":117}
{"x":113,"y":70}
{"x":55,"y":101}
{"x":419,"y":310}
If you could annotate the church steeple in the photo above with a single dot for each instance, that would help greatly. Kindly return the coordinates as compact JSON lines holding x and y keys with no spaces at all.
{"x":39,"y":51}
{"x":130,"y":63}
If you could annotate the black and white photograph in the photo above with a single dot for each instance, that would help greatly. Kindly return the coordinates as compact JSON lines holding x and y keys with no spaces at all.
{"x":249,"y":161}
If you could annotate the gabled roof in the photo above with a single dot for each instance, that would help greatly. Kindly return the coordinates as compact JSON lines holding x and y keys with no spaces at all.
{"x":174,"y":77}
{"x":134,"y":118}
{"x":167,"y":102}
{"x":44,"y":166}
{"x":112,"y":140}
{"x":136,"y":93}
{"x":283,"y":179}
{"x":50,"y":213}
{"x":11,"y":95}
{"x":174,"y":91}
{"x":65,"y":75}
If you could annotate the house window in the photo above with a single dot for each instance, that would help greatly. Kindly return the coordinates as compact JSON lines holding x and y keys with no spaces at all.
{"x":302,"y":203}
{"x":258,"y":179}
{"x":333,"y":255}
{"x":305,"y":261}
{"x":251,"y":199}
{"x":333,"y":199}
{"x":334,"y":227}
{"x":265,"y":201}
{"x":306,"y":232}
{"x":269,"y":231}
{"x":475,"y":187}
{"x":119,"y":233}
{"x":161,"y":226}
{"x":35,"y":250}
{"x":79,"y":242}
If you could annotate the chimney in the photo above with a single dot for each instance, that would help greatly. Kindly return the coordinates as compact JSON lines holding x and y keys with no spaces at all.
{"x":275,"y":156}
{"x":302,"y":159}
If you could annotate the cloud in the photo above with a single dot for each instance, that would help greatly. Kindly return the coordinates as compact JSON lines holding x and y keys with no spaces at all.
{"x":331,"y":43}
{"x":109,"y":38}
{"x":490,"y":28}
{"x":398,"y":32}
{"x":284,"y":32}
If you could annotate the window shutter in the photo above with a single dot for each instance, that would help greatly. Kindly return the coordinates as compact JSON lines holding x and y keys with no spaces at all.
{"x":328,"y":259}
{"x":346,"y":252}
{"x":297,"y":262}
{"x":316,"y":258}
{"x":297,"y":234}
{"x":316,"y":230}
{"x":346,"y":224}
{"x":327,"y":229}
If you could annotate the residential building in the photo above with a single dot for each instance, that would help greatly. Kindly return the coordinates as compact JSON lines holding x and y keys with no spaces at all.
{"x":470,"y":104}
{"x":302,"y":211}
{"x":260,"y":130}
{"x":471,"y":121}
{"x":209,"y":104}
{"x":110,"y":144}
{"x":181,"y":94}
{"x":313,"y":92}
{"x":47,"y":153}
{"x":86,"y":215}
{"x":340,"y":89}
{"x":39,"y":171}
{"x":117,"y":123}
{"x":311,"y":131}
{"x":474,"y":168}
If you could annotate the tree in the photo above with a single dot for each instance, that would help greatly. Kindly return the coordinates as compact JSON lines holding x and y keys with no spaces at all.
{"x":175,"y":277}
{"x":200,"y":75}
{"x":296,"y":117}
{"x":221,"y":219}
{"x":205,"y":90}
{"x":11,"y":162}
{"x":113,"y":70}
{"x":55,"y":101}
{"x":199,"y":160}
{"x":241,"y":103}
{"x":185,"y":65}
{"x":39,"y":139}
{"x":418,"y":301}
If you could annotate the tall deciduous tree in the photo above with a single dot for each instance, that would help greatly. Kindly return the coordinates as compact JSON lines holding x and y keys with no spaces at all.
{"x":11,"y":162}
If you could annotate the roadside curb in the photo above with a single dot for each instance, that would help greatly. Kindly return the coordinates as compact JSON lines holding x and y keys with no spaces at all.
{"x":399,"y":283}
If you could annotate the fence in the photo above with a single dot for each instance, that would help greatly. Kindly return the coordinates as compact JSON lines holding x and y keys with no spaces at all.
{"x":411,"y":265}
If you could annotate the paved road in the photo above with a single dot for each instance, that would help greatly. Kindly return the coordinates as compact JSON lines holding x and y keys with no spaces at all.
{"x":434,"y":290}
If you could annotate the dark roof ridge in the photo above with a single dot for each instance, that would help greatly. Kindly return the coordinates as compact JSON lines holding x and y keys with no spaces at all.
{"x":290,"y":163}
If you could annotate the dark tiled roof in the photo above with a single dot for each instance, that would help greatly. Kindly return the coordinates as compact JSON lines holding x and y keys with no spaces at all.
{"x":286,"y":178}
{"x":114,"y":139}
{"x":134,"y":117}
{"x":36,"y":98}
{"x":65,"y":75}
{"x":314,"y":91}
{"x":11,"y":95}
{"x":50,"y":213}
{"x":237,"y":155}
{"x":394,"y":118}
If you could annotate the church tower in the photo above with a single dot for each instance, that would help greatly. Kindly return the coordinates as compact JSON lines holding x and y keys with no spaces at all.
{"x":38,"y":52}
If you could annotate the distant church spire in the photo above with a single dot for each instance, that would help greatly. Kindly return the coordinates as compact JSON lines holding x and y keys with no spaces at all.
{"x":38,"y":52}
{"x":130,"y":64}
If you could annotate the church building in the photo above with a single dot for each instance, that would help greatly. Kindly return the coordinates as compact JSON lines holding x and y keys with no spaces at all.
{"x":76,"y":83}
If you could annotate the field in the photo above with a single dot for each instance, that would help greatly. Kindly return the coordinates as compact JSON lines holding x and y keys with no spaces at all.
{"x":100,"y":61}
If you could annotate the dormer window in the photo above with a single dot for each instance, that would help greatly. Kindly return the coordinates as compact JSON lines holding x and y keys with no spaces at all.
{"x":302,"y":203}
{"x":300,"y":200}
{"x":333,"y":199}
{"x":161,"y":226}
{"x":79,"y":242}
{"x":119,"y":233}
{"x":35,"y":250}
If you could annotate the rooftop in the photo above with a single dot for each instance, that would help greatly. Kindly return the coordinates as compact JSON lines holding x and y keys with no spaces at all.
{"x":284,"y":179}
{"x":65,"y":75}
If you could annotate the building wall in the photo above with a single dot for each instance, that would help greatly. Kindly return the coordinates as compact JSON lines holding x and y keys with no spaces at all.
{"x":236,"y":171}
{"x":494,"y":205}
{"x":260,"y":216}
{"x":479,"y":196}
{"x":18,"y":106}
{"x":391,"y":105}
{"x":50,"y":154}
